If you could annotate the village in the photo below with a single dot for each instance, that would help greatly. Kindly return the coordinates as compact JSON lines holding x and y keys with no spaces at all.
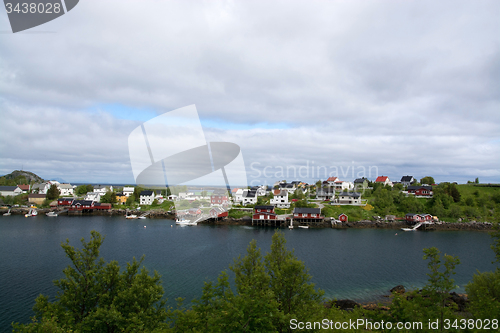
{"x":285,"y":204}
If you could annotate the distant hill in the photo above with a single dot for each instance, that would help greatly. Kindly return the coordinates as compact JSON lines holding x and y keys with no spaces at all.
{"x":18,"y":176}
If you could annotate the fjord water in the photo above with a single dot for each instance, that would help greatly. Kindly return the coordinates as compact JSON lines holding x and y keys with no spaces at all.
{"x":360,"y":264}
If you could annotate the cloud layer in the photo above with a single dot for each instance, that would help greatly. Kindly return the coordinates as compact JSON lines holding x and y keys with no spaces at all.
{"x":409,"y":87}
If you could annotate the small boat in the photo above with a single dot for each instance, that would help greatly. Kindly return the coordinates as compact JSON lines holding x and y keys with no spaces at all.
{"x":131,"y":216}
{"x":408,"y":229}
{"x":7,"y":214}
{"x":32,"y":212}
{"x":304,"y":226}
{"x":184,"y":222}
{"x":51,"y":214}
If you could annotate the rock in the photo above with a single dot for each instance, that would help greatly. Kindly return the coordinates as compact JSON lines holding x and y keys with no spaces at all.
{"x":345,"y":304}
{"x":399,"y":289}
{"x":460,"y":300}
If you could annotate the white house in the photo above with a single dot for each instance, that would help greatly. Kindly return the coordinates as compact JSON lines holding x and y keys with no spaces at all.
{"x":238,"y":195}
{"x":250,"y":198}
{"x":128,"y":191}
{"x":288,"y":187}
{"x":146,"y":197}
{"x":43,"y":187}
{"x":10,"y":190}
{"x":65,"y":189}
{"x":93,"y":196}
{"x":280,"y":199}
{"x":384,"y":180}
{"x":407,"y":180}
{"x":349,"y":198}
{"x":103,"y":189}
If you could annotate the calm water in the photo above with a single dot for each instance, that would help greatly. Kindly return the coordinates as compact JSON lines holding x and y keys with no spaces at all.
{"x":359,"y":264}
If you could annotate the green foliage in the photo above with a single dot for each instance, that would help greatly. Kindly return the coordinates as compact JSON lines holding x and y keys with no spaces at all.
{"x":109,"y":197}
{"x":268,"y":293}
{"x":130,"y":200}
{"x":238,"y":213}
{"x":53,"y":192}
{"x":484,"y":295}
{"x":137,"y":193}
{"x":95,"y":296}
{"x":83,"y":189}
{"x":433,"y":300}
{"x":427,"y":180}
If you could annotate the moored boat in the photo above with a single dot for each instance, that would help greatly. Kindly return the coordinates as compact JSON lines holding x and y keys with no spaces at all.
{"x":184,"y":222}
{"x":31,"y":212}
{"x":51,"y":214}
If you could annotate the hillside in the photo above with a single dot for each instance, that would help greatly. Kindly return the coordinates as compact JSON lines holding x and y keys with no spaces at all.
{"x":20,"y":177}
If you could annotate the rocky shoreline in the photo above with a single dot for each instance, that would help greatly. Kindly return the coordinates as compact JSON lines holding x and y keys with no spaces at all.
{"x":364,"y":224}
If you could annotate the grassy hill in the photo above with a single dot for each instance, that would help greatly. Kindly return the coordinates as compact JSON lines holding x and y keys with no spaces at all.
{"x":20,"y":177}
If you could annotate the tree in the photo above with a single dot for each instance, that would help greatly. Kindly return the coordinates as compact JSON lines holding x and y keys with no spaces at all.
{"x":290,"y":284}
{"x":269,"y":292}
{"x":95,"y":296}
{"x":130,"y":200}
{"x":53,"y":192}
{"x":476,"y":181}
{"x":427,"y":180}
{"x":484,"y":289}
{"x":137,"y":193}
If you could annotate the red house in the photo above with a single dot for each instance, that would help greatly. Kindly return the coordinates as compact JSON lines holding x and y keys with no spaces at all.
{"x":307,"y":215}
{"x":264,"y":214}
{"x":413,"y":218}
{"x":218,"y":212}
{"x":343,"y":217}
{"x":383,"y":180}
{"x":65,"y":201}
{"x":219,"y":198}
{"x":420,"y":190}
{"x":426,"y":217}
{"x":194,"y":211}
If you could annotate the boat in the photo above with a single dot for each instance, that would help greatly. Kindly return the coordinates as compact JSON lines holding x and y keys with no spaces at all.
{"x":304,"y":226}
{"x":32,"y":212}
{"x":7,"y":214}
{"x":51,"y":214}
{"x":408,"y":229}
{"x":131,"y":216}
{"x":184,"y":222}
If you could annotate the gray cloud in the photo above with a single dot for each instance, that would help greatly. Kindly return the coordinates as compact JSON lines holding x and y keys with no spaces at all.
{"x":407,"y":86}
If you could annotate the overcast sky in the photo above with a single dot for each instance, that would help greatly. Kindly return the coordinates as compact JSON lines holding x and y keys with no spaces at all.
{"x":391,"y":87}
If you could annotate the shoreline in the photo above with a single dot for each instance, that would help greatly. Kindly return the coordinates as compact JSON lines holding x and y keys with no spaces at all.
{"x":364,"y":224}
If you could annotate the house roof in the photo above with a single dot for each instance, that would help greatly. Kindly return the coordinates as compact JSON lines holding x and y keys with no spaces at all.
{"x":64,"y":199}
{"x":360,"y":180}
{"x":280,"y":192}
{"x":251,"y":194}
{"x":24,"y":187}
{"x":307,"y":211}
{"x":406,"y":178}
{"x":381,"y":179}
{"x":147,"y":193}
{"x":8,"y":188}
{"x":419,"y":187}
{"x":264,"y":207}
{"x":36,"y":196}
{"x":350,"y":194}
{"x":332,"y":179}
{"x":83,"y":202}
{"x":66,"y":186}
